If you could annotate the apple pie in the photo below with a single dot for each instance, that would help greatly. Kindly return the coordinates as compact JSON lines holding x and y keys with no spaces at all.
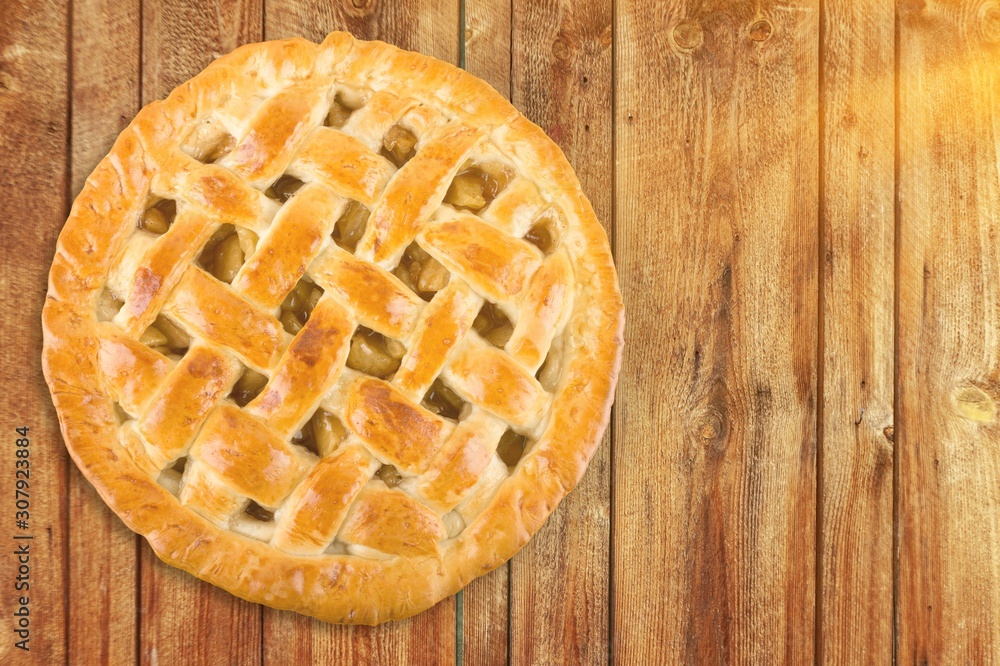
{"x":333,"y":327}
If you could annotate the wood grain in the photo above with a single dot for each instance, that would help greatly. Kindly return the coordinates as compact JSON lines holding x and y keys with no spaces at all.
{"x":716,"y":235}
{"x":179,"y":39}
{"x":487,"y":36}
{"x":857,"y":214}
{"x":183,"y":620}
{"x":429,"y":26}
{"x":561,"y":80}
{"x":485,"y":601}
{"x":948,"y":379}
{"x":101,"y":590}
{"x":34,"y":96}
{"x":105,"y":79}
{"x":486,"y":619}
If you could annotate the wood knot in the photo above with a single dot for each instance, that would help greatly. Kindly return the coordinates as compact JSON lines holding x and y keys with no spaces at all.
{"x":889,"y":433}
{"x":361,"y":8}
{"x":989,"y":22}
{"x":710,"y":428}
{"x":469,"y":34}
{"x":760,"y":31}
{"x":974,"y":404}
{"x":688,"y":35}
{"x":605,"y":38}
{"x":561,"y":49}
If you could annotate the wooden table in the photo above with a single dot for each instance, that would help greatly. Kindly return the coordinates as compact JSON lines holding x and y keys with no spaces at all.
{"x":804,"y":459}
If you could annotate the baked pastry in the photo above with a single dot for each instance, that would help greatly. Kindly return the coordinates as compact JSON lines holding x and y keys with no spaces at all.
{"x":333,"y":327}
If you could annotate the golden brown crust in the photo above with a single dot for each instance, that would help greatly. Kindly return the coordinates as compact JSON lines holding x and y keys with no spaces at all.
{"x":84,"y":367}
{"x":381,"y":301}
{"x":275,"y":269}
{"x":307,"y":369}
{"x":489,"y":260}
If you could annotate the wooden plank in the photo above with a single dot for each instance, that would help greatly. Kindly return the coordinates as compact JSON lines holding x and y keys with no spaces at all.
{"x":485,"y":601}
{"x":101,"y":589}
{"x":429,"y":26}
{"x":486,"y":619}
{"x":560,"y":582}
{"x":487,"y":38}
{"x":425,"y":638}
{"x":105,"y":79}
{"x":857,"y":214}
{"x":183,"y":620}
{"x":179,"y":39}
{"x":948,"y":381}
{"x":716,"y":236}
{"x":33,"y":115}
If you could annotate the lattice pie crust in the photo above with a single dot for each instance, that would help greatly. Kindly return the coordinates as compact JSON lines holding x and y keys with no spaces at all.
{"x":333,"y":327}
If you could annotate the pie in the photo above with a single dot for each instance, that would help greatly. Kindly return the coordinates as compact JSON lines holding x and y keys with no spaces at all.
{"x":333,"y":327}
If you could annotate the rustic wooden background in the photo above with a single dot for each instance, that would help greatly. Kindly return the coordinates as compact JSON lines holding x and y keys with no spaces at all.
{"x":804,"y":460}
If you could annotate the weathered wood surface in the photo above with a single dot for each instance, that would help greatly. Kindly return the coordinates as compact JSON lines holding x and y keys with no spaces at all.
{"x":716,"y":238}
{"x":802,"y":201}
{"x":854,"y":555}
{"x":34,"y":127}
{"x":948,"y":378}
